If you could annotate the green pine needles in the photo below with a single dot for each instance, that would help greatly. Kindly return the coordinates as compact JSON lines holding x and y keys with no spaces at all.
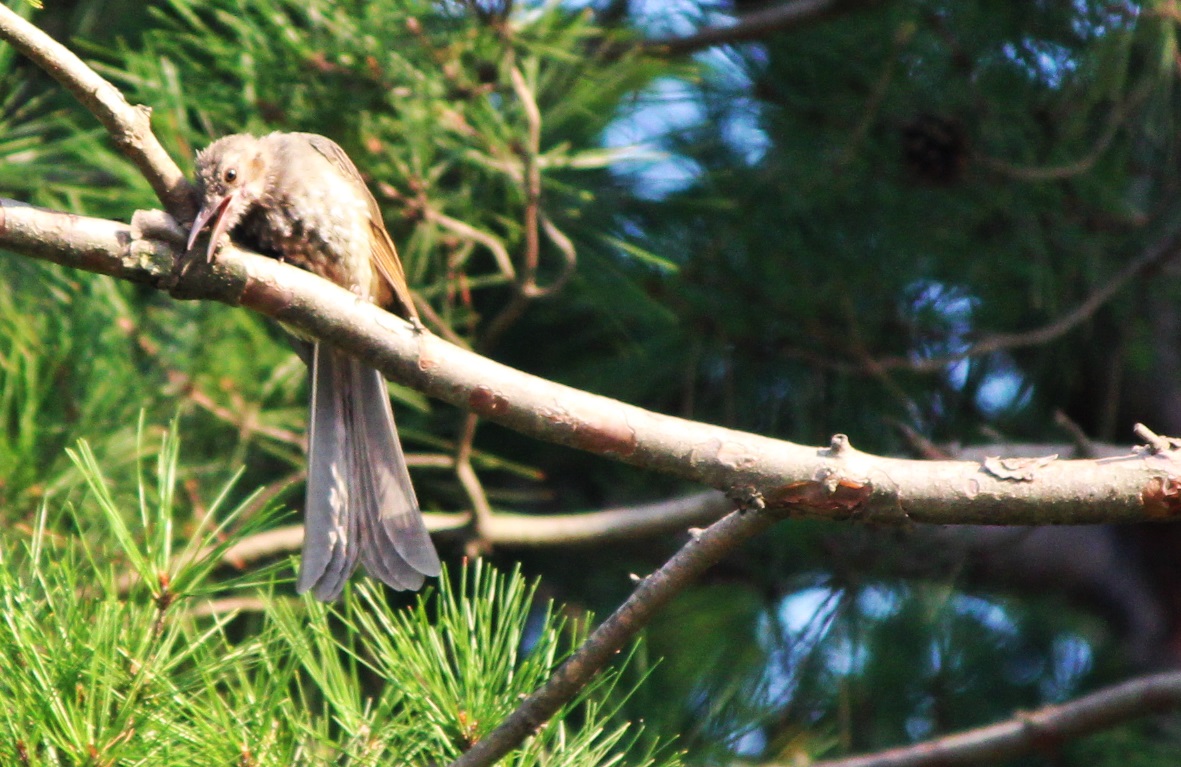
{"x":133,"y":655}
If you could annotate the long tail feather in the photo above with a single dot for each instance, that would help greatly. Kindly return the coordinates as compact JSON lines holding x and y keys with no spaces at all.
{"x":360,"y":503}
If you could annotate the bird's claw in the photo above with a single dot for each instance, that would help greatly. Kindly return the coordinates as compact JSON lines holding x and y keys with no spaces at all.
{"x":157,"y":238}
{"x":157,"y":225}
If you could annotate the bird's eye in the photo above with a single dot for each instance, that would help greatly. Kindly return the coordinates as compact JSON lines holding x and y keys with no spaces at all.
{"x":230,"y":175}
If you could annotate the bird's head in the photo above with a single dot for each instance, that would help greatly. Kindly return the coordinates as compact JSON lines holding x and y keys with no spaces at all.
{"x":231,"y":179}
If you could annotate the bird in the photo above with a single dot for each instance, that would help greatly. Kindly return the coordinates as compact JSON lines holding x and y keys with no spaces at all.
{"x":299,"y":198}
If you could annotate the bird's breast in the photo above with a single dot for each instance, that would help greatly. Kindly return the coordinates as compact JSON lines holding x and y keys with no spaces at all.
{"x":321,"y":225}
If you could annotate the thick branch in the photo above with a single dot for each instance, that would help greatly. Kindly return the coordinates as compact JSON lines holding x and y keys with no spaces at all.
{"x":128,"y":125}
{"x":1034,"y":730}
{"x":835,"y":482}
{"x":613,"y":634}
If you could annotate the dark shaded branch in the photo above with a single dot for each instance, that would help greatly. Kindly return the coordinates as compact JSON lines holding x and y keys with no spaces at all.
{"x":1152,"y":258}
{"x":613,"y":634}
{"x":835,"y":482}
{"x":1156,"y":255}
{"x":1032,"y":731}
{"x":129,"y":126}
{"x":1115,"y":120}
{"x":752,"y":26}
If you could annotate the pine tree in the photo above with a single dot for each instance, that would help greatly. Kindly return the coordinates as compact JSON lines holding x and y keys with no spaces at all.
{"x":851,"y":225}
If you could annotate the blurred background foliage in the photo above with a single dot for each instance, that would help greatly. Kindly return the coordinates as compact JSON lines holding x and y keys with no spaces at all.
{"x":794,"y":236}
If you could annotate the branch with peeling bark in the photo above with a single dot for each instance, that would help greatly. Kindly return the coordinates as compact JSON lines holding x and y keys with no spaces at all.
{"x":835,"y":482}
{"x":1034,"y":730}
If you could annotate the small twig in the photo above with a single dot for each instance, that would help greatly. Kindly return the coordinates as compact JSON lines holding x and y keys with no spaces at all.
{"x":504,"y":320}
{"x":565,"y":246}
{"x":1029,"y":731}
{"x":1155,"y":256}
{"x":534,"y":222}
{"x":1084,"y":445}
{"x":470,"y":481}
{"x":428,"y":313}
{"x":125,"y":582}
{"x":529,"y":530}
{"x":596,"y":527}
{"x":429,"y":461}
{"x":244,"y":419}
{"x":503,"y":260}
{"x":1156,"y":444}
{"x":877,"y":94}
{"x":1068,"y":170}
{"x":613,"y":634}
{"x":526,"y":283}
{"x":199,"y":510}
{"x":267,"y":494}
{"x":264,"y":545}
{"x":919,"y":444}
{"x":129,"y":126}
{"x":869,"y":364}
{"x":500,"y":529}
{"x":532,"y":176}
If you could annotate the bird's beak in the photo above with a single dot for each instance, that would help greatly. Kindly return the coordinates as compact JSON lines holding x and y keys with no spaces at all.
{"x":214,"y":209}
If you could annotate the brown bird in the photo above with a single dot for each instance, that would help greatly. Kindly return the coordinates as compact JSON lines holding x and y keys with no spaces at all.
{"x":297,"y":197}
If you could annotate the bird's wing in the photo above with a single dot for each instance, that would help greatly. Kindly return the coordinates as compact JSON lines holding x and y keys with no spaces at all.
{"x":384,"y":254}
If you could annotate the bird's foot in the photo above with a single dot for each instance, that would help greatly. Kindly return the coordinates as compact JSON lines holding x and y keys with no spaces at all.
{"x":154,"y":234}
{"x":157,"y":225}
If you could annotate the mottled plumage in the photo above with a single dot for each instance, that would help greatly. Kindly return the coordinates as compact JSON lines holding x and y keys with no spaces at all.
{"x":298,"y":197}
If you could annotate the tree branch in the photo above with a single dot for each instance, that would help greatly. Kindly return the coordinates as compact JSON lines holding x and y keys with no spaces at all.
{"x":1115,"y":120}
{"x":1157,"y":254}
{"x":129,"y":126}
{"x":628,"y":523}
{"x":835,"y":482}
{"x":528,"y":530}
{"x":613,"y":634}
{"x":1033,"y":730}
{"x":751,"y":26}
{"x":778,"y":477}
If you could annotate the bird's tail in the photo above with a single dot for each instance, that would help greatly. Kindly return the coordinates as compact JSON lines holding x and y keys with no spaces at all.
{"x":360,"y":503}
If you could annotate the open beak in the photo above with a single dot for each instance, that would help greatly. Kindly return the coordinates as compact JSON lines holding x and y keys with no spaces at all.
{"x":215,"y":211}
